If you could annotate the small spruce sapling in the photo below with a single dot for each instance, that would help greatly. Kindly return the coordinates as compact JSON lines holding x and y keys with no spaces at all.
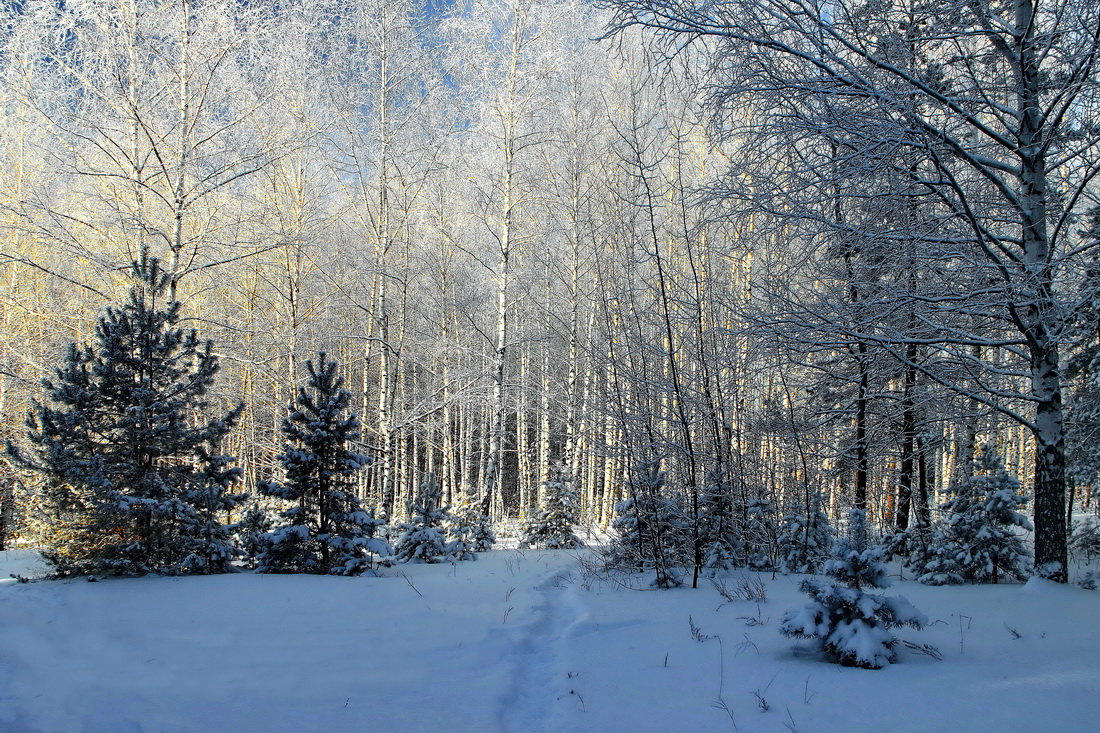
{"x":249,"y":532}
{"x":1085,"y":540}
{"x":552,"y":526}
{"x":914,"y":546}
{"x":851,"y":624}
{"x":467,"y":530}
{"x":977,"y":541}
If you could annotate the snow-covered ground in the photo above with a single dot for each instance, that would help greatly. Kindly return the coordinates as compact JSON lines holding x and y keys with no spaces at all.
{"x":524,"y":642}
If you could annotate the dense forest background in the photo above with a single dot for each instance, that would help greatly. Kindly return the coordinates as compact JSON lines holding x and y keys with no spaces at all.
{"x":527,"y":241}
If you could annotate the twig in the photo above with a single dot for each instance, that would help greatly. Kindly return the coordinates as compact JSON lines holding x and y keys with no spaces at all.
{"x":406,"y":577}
{"x":926,"y":649}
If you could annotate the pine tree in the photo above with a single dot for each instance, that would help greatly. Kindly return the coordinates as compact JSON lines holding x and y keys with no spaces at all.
{"x":134,"y":481}
{"x":326,"y":531}
{"x":552,"y":526}
{"x":249,"y":531}
{"x":650,"y":528}
{"x":1083,"y":369}
{"x":468,"y":530}
{"x":423,"y":538}
{"x":759,"y":535}
{"x":915,"y":546}
{"x":1085,"y":539}
{"x":851,"y":624}
{"x":718,"y":536}
{"x":977,"y":540}
{"x":804,"y":541}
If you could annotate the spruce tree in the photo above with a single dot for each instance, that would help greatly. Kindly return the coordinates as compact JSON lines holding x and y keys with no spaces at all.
{"x":134,"y":481}
{"x":552,"y":526}
{"x":326,"y":530}
{"x":851,"y":624}
{"x":977,"y":541}
{"x":1085,"y":540}
{"x":914,"y":546}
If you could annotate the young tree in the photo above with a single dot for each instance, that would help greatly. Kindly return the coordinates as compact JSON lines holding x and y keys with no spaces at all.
{"x":468,"y":530}
{"x":759,"y":534}
{"x":804,"y":541}
{"x":255,"y":522}
{"x":650,"y":529}
{"x":326,"y":531}
{"x":719,"y":541}
{"x":852,"y":624}
{"x":1083,"y":368}
{"x":552,"y":527}
{"x":423,"y":538}
{"x":977,"y":541}
{"x":134,"y":480}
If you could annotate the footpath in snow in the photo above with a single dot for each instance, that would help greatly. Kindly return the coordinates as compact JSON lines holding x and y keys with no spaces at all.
{"x":518,"y":642}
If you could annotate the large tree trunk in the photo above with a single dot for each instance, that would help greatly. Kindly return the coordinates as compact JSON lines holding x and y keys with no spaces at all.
{"x":1051,"y":558}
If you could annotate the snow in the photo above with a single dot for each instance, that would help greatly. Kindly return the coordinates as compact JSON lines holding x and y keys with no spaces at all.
{"x":522,"y":641}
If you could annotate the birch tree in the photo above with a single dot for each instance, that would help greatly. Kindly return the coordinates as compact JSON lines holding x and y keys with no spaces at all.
{"x":1000,"y":103}
{"x":153,"y":101}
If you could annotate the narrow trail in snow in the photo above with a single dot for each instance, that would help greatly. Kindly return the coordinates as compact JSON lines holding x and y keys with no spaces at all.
{"x":539,"y":682}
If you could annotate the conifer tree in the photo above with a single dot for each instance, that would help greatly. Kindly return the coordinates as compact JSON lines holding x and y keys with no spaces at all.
{"x":423,"y":538}
{"x":552,"y":526}
{"x":468,"y":530}
{"x":977,"y":541}
{"x":759,"y":534}
{"x":326,"y":530}
{"x":1085,"y":540}
{"x":1083,"y":369}
{"x":650,"y":528}
{"x":719,"y":539}
{"x":804,"y":540}
{"x":852,"y":624}
{"x":249,"y":532}
{"x":134,"y":481}
{"x":913,"y":546}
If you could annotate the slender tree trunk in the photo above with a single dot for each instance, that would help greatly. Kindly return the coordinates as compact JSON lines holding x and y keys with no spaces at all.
{"x":1050,"y":471}
{"x":908,"y":441}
